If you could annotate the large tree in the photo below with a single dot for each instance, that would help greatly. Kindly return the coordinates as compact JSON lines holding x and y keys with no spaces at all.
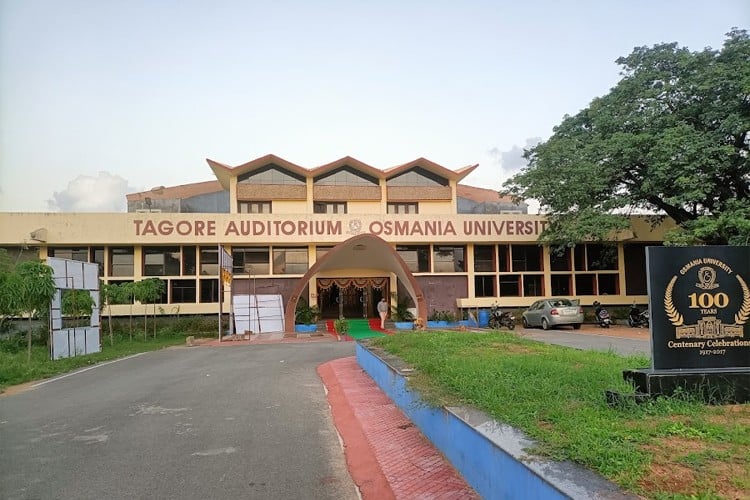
{"x":671,"y":138}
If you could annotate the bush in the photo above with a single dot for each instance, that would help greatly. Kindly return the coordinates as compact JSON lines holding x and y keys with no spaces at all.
{"x":341,"y":325}
{"x":306,"y":314}
{"x":401,"y":312}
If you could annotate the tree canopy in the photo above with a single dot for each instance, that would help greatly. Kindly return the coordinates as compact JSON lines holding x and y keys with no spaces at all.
{"x":671,"y":138}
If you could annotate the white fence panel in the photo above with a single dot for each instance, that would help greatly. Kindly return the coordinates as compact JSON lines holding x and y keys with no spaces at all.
{"x":258,"y":313}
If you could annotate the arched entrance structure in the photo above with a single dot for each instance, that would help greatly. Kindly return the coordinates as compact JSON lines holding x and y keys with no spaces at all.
{"x":361,"y":251}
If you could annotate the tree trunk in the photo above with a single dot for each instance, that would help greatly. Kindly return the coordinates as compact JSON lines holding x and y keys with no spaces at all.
{"x":109,"y":322}
{"x":28,"y":340}
{"x":130,"y":321}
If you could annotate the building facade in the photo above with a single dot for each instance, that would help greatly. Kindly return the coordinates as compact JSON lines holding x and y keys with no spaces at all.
{"x":341,"y":236}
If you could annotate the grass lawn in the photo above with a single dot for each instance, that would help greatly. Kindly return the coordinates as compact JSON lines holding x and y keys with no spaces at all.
{"x":673,"y":448}
{"x":15,"y":369}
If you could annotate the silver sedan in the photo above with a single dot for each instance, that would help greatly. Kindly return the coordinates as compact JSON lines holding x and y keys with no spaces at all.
{"x":549,"y":313}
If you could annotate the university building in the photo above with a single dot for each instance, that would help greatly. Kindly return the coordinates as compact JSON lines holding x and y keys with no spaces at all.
{"x":341,"y":235}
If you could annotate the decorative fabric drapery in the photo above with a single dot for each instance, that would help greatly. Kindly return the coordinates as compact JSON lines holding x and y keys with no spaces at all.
{"x":376,"y":283}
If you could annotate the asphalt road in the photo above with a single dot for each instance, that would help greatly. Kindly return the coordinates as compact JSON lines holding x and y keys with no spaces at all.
{"x":580,"y":339}
{"x":226,"y":422}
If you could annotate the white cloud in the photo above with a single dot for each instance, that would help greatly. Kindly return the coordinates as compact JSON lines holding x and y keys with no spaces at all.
{"x":512,"y":160}
{"x":104,"y":193}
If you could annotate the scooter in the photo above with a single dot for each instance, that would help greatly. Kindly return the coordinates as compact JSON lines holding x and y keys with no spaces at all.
{"x":500,"y":319}
{"x":638,"y":318}
{"x":603,"y":318}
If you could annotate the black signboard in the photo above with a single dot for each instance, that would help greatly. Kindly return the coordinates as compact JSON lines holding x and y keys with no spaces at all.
{"x":700,"y":307}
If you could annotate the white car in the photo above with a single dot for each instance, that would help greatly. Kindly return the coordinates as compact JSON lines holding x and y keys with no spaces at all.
{"x":549,"y":313}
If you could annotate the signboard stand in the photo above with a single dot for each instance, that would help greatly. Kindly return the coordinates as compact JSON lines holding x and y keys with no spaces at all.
{"x":74,"y":275}
{"x":226,"y":263}
{"x":699,"y":300}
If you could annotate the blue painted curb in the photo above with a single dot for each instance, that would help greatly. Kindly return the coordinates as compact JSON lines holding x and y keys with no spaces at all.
{"x":488,"y":454}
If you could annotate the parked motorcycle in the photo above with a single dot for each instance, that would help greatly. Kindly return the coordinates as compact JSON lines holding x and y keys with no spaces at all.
{"x":603,"y":319}
{"x":500,"y":319}
{"x":638,"y":318}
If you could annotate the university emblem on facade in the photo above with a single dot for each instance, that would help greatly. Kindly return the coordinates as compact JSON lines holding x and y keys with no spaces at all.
{"x":355,"y":226}
{"x":709,"y":307}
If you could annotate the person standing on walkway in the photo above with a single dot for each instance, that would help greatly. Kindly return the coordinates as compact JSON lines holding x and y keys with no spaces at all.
{"x":383,"y":311}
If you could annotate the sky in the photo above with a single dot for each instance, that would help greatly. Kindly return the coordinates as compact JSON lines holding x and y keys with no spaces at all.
{"x":103,"y":98}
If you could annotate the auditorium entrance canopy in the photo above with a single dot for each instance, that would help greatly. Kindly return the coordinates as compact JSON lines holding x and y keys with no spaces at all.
{"x":368,"y":258}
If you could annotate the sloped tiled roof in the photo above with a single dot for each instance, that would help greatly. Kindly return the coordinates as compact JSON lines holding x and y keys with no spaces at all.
{"x":480,"y":195}
{"x":224,"y":172}
{"x":177,"y":192}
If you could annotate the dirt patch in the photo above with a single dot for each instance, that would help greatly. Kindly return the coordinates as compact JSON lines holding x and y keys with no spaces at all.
{"x":17,"y":389}
{"x":616,"y":331}
{"x":694,"y":467}
{"x":621,"y":331}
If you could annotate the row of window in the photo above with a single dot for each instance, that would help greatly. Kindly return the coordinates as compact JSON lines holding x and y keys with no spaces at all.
{"x":343,"y":176}
{"x":532,"y":285}
{"x":187,"y":291}
{"x":192,"y":260}
{"x":322,"y":207}
{"x":514,"y":258}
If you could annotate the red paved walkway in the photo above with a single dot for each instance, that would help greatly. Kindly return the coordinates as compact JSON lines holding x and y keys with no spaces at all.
{"x":386,"y":454}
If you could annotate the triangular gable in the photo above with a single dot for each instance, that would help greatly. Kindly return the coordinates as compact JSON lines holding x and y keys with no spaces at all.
{"x":224,"y":173}
{"x":430,"y":167}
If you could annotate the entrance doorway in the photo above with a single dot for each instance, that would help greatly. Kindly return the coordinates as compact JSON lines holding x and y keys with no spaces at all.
{"x":350,"y":297}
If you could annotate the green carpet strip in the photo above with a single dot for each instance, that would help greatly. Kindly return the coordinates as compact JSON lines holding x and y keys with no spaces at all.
{"x":360,"y":329}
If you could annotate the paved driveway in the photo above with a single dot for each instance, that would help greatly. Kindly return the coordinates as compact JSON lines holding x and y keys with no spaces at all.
{"x":621,"y":339}
{"x":225,"y":422}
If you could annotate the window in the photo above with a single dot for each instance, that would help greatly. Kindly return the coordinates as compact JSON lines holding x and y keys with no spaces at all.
{"x":579,"y":258}
{"x":503,"y":262}
{"x":289,"y":260}
{"x":484,"y":286}
{"x":183,"y":291}
{"x":484,"y":258}
{"x":272,"y":174}
{"x":209,"y":290}
{"x":561,"y":284}
{"x":403,"y":208}
{"x":417,"y":177}
{"x":635,"y":268}
{"x":254,"y":207}
{"x":188,"y":261}
{"x":251,"y":260}
{"x":77,"y":253}
{"x":595,"y":257}
{"x":526,"y":258}
{"x":161,"y":261}
{"x":96,"y":254}
{"x":416,"y":258}
{"x":585,"y":284}
{"x":533,"y":285}
{"x":121,"y":261}
{"x":322,"y":207}
{"x":608,"y":284}
{"x":209,"y":260}
{"x":601,"y":257}
{"x":559,"y":261}
{"x":321,"y":251}
{"x":345,"y":176}
{"x":510,"y":285}
{"x":448,"y":259}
